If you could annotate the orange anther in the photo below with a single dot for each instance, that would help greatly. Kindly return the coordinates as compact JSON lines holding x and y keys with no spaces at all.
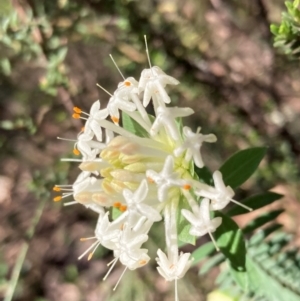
{"x":90,"y":256}
{"x":76,"y":116}
{"x":142,"y":262}
{"x":150,"y":180}
{"x":123,"y":208}
{"x":117,"y":204}
{"x":83,"y":239}
{"x":115,"y":119}
{"x":77,"y":110}
{"x":55,"y":188}
{"x":127,"y":83}
{"x":82,"y":129}
{"x":57,"y":199}
{"x":76,"y":152}
{"x":187,"y":187}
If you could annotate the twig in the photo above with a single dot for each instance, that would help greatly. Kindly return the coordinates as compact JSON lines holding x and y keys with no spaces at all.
{"x":22,"y":254}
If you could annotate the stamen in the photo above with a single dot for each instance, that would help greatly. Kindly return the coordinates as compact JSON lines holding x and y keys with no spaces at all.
{"x":142,"y":262}
{"x":120,"y":278}
{"x":127,"y":83}
{"x":57,"y":198}
{"x":186,"y":187}
{"x":87,"y":238}
{"x":76,"y":152}
{"x":66,"y":139}
{"x":150,"y":180}
{"x":147,"y":52}
{"x":123,"y":208}
{"x":213,"y":240}
{"x":242,"y":205}
{"x":116,"y":66}
{"x":104,"y":90}
{"x":113,"y":262}
{"x":55,"y":188}
{"x":70,"y":203}
{"x":70,"y":160}
{"x":86,"y":251}
{"x":77,"y":110}
{"x":117,"y":205}
{"x":115,"y":119}
{"x":76,"y":116}
{"x":91,"y":254}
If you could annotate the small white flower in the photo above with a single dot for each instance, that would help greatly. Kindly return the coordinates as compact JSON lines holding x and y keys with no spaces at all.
{"x":117,"y":103}
{"x":166,"y":117}
{"x":128,"y":248}
{"x":105,"y":234}
{"x":192,"y":145}
{"x":95,"y":116}
{"x":153,"y":82}
{"x":135,"y":202}
{"x":220,"y":195}
{"x":175,"y":268}
{"x":200,"y":220}
{"x":165,"y":179}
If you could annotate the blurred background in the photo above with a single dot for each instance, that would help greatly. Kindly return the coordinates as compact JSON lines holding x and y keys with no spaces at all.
{"x":52,"y":54}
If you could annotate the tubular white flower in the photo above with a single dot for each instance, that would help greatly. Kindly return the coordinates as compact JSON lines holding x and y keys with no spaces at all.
{"x":166,"y":117}
{"x":221,"y":195}
{"x":152,"y":82}
{"x":165,"y":179}
{"x":200,"y":220}
{"x":95,"y":116}
{"x":135,"y":205}
{"x":170,"y":269}
{"x":192,"y":144}
{"x":117,"y":103}
{"x":128,"y":89}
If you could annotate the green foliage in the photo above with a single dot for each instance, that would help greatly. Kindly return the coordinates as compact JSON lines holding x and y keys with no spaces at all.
{"x":287,"y":34}
{"x":238,"y":168}
{"x":269,"y":270}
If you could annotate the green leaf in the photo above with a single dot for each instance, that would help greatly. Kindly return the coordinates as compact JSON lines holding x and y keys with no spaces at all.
{"x":183,"y":226}
{"x":261,"y":220}
{"x":255,"y":202}
{"x":202,"y":252}
{"x":264,"y":283}
{"x":230,"y":240}
{"x":241,"y":278}
{"x":258,"y":237}
{"x":132,"y":126}
{"x":239,"y":167}
{"x":203,"y":174}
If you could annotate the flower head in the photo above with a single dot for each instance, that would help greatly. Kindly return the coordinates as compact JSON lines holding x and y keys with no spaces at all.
{"x":144,"y":172}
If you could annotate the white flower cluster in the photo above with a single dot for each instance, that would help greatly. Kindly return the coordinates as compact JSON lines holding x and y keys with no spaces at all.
{"x":144,"y":178}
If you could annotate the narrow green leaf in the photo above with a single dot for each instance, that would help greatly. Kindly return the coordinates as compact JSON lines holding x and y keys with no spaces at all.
{"x":255,"y":202}
{"x":239,"y":167}
{"x":261,"y":220}
{"x":231,"y":242}
{"x":202,"y":252}
{"x":132,"y":126}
